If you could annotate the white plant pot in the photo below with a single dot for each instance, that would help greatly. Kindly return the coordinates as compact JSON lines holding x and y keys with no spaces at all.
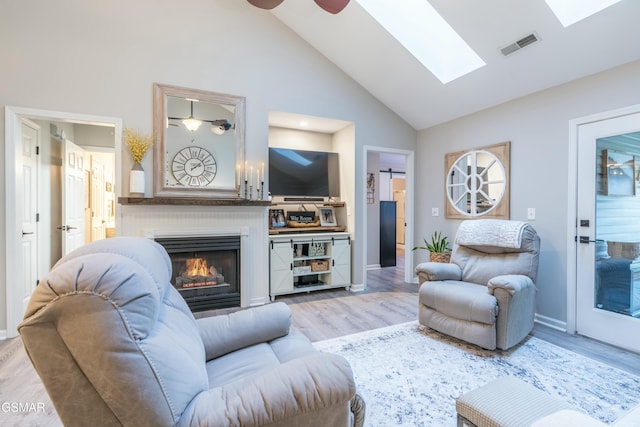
{"x":136,"y":181}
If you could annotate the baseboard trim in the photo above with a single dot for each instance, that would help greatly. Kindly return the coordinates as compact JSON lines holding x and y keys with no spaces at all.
{"x":373,"y":267}
{"x":357,"y":287}
{"x":3,"y":334}
{"x":551,"y":322}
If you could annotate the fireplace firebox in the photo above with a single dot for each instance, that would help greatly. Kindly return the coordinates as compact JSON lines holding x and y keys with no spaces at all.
{"x":205,"y":270}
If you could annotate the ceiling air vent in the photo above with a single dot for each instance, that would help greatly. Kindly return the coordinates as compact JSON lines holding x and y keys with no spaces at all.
{"x":516,"y":46}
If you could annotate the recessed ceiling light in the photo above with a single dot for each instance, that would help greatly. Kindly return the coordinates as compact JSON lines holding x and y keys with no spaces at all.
{"x":426,"y":35}
{"x":571,"y":11}
{"x":304,"y":124}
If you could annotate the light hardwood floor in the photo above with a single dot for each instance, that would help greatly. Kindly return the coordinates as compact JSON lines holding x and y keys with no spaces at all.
{"x":388,"y":300}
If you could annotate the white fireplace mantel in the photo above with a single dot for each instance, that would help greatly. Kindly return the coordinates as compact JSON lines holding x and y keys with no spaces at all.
{"x":250,"y":222}
{"x":153,"y":233}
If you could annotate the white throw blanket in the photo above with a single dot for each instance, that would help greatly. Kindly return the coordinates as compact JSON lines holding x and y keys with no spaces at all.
{"x":490,"y":232}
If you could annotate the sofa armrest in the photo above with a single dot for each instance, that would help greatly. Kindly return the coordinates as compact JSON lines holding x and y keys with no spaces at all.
{"x":226,"y":333}
{"x":300,"y":386}
{"x":568,"y":418}
{"x":511,"y":283}
{"x":516,"y":297}
{"x":432,"y":271}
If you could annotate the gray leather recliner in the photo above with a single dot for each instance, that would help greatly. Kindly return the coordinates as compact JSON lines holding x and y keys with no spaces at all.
{"x":115,"y":344}
{"x":486,"y":294}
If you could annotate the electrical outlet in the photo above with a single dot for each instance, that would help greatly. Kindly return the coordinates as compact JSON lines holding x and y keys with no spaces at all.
{"x":435,"y":212}
{"x":531,"y":213}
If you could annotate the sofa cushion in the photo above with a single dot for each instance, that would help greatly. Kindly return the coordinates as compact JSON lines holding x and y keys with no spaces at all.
{"x":226,"y":333}
{"x":460,"y":300}
{"x":292,"y":346}
{"x":240,"y":364}
{"x":258,"y":358}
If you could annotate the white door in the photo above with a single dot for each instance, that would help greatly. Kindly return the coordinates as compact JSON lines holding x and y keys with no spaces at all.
{"x":608,"y":231}
{"x":30,"y":134}
{"x":73,"y":208}
{"x":98,"y":199}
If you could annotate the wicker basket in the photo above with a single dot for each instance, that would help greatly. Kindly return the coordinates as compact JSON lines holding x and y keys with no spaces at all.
{"x":444,"y":257}
{"x":319,"y":265}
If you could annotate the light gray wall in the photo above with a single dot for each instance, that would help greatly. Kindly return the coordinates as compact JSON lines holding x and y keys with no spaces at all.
{"x":538,"y":128}
{"x":81,"y":57}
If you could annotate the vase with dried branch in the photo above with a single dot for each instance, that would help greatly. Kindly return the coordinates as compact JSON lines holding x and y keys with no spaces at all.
{"x":139,"y":144}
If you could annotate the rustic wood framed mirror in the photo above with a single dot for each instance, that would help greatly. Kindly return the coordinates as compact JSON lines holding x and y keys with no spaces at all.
{"x":199,"y":141}
{"x":477,"y":182}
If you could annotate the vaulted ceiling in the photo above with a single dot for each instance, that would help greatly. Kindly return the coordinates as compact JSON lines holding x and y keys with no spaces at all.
{"x":359,"y":46}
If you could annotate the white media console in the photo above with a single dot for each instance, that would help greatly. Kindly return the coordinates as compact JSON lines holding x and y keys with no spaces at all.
{"x":304,"y":262}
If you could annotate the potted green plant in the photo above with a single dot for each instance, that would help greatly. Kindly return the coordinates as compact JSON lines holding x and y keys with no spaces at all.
{"x":439,"y":250}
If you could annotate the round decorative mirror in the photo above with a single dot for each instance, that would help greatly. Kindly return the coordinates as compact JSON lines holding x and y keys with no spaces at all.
{"x":477,"y":183}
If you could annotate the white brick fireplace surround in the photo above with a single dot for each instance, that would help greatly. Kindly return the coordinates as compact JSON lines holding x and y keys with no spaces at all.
{"x":249,"y":221}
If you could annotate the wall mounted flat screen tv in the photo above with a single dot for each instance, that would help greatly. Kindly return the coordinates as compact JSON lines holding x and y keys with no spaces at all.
{"x":302,"y":173}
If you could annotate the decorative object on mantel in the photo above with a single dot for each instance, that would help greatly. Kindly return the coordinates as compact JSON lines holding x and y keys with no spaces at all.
{"x":331,"y":6}
{"x":198,"y":161}
{"x":439,"y":250}
{"x":138,"y":144}
{"x":249,"y":183}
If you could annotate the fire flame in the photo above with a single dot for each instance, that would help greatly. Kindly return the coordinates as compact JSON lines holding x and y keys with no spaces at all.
{"x":197,"y":267}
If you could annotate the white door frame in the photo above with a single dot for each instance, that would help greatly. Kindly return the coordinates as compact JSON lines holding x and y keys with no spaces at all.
{"x":13,"y":226}
{"x":572,"y":208}
{"x":409,"y":207}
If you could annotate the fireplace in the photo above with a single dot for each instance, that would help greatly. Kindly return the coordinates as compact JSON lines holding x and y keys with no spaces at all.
{"x":205,"y":270}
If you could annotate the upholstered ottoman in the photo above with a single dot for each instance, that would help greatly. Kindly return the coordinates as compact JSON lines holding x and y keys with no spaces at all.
{"x":505,"y":402}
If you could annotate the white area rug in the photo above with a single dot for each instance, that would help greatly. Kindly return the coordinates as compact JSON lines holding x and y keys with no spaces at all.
{"x":410,"y":376}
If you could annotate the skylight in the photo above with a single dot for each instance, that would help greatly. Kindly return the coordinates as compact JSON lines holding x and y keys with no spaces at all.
{"x":571,"y":11}
{"x":426,"y":35}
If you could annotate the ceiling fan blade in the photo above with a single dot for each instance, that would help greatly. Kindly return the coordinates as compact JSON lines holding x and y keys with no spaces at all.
{"x":332,"y":6}
{"x":265,"y":4}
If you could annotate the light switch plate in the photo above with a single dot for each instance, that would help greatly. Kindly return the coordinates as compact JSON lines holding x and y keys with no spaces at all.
{"x":435,"y":212}
{"x":531,"y":213}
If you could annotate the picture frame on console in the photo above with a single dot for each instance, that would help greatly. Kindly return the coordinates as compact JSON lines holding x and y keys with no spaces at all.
{"x":327,"y":217}
{"x":276,"y":218}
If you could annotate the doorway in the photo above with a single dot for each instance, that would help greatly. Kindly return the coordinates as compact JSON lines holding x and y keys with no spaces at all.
{"x":53,"y":126}
{"x":389,"y":181}
{"x":608,"y":231}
